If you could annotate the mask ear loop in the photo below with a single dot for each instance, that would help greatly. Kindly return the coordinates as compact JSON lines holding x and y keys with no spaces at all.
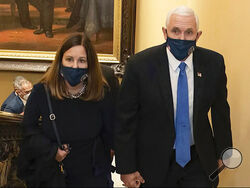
{"x":61,"y":73}
{"x":191,"y":50}
{"x":84,"y":77}
{"x":60,"y":69}
{"x":196,"y":36}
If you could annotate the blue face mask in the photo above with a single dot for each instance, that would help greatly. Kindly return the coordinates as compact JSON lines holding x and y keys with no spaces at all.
{"x":73,"y":75}
{"x":181,"y":48}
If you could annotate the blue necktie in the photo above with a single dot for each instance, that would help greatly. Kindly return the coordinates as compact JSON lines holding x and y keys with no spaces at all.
{"x":182,"y":124}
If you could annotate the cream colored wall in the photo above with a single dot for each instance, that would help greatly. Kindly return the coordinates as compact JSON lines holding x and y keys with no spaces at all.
{"x":226,"y":29}
{"x":6,"y":78}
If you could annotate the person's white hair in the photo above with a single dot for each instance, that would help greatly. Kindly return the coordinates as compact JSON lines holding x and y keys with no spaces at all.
{"x":183,"y":11}
{"x":18,"y":82}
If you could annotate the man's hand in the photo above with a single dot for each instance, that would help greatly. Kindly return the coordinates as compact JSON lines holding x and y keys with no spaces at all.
{"x":61,"y":154}
{"x":132,"y":180}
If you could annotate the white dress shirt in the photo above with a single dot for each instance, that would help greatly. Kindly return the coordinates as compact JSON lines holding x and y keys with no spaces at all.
{"x":174,"y":74}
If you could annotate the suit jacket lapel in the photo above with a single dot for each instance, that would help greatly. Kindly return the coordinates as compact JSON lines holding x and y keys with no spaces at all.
{"x":165,"y":83}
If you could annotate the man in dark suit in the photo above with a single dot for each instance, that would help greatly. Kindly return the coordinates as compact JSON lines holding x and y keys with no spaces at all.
{"x":164,"y":137}
{"x":24,"y":14}
{"x":46,"y":9}
{"x":17,"y":99}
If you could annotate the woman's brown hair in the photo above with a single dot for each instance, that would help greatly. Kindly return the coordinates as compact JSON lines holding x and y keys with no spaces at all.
{"x":96,"y":82}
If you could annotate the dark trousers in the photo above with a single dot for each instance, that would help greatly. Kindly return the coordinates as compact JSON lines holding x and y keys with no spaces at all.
{"x":192,"y":175}
{"x":46,"y":9}
{"x":75,"y":14}
{"x":81,"y":180}
{"x":23,"y":11}
{"x":71,"y":3}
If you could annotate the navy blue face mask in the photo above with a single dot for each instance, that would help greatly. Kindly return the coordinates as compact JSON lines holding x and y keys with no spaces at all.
{"x":73,"y":75}
{"x":181,"y":48}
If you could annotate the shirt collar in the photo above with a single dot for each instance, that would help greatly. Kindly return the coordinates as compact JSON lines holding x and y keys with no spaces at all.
{"x":174,"y":63}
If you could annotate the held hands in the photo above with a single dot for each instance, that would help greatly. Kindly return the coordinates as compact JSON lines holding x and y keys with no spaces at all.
{"x":132,"y":180}
{"x":61,"y":154}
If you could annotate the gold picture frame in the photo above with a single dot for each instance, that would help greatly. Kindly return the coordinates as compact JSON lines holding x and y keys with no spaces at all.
{"x":123,"y":44}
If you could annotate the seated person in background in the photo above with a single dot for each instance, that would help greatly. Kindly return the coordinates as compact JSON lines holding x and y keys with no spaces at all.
{"x":17,"y":99}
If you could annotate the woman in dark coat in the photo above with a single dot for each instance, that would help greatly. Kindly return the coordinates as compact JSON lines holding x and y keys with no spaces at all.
{"x":83,"y":102}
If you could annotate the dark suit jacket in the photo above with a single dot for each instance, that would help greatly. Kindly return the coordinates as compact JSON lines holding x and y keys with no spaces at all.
{"x":13,"y":104}
{"x":145,"y":133}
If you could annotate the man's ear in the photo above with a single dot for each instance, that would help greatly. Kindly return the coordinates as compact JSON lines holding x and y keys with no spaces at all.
{"x":164,"y":31}
{"x":198,"y":35}
{"x":17,"y":91}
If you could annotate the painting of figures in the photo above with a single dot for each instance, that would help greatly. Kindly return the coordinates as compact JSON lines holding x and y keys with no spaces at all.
{"x":41,"y":25}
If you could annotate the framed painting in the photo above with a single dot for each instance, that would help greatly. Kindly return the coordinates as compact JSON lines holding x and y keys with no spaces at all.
{"x":110,"y":24}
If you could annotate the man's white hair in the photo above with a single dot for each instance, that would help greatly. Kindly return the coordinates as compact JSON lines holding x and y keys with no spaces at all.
{"x":183,"y":11}
{"x":19,"y":81}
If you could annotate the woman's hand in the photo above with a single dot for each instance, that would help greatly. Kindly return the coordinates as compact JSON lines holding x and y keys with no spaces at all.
{"x":132,"y":180}
{"x":61,"y":154}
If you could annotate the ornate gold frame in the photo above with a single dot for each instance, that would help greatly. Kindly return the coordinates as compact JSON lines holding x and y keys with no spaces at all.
{"x":123,"y":44}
